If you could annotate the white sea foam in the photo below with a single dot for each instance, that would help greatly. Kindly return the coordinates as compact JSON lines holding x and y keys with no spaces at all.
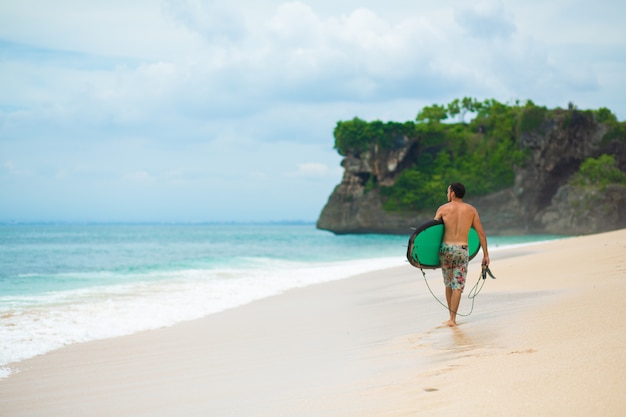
{"x":65,"y":284}
{"x":34,"y":325}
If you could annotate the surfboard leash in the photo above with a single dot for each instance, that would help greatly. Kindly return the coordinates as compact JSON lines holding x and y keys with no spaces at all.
{"x":476,"y":289}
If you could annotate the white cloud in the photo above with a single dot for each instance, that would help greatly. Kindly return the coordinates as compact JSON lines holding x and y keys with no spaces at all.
{"x":487,"y":21}
{"x":213,"y":21}
{"x":228,"y":96}
{"x":139,"y":177}
{"x":14,"y":169}
{"x":313,"y":169}
{"x":295,"y":23}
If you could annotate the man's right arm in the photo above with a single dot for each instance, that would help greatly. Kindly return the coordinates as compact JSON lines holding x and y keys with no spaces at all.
{"x":439,"y":214}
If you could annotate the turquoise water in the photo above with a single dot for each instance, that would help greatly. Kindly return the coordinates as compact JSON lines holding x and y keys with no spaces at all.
{"x":40,"y":258}
{"x":69,"y":283}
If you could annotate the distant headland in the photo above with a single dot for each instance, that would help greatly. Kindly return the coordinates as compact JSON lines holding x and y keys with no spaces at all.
{"x":527,"y":168}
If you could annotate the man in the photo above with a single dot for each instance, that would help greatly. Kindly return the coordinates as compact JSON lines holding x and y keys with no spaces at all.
{"x":457,"y":218}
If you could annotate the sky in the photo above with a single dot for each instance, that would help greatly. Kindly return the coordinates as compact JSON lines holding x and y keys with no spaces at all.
{"x":223,"y":111}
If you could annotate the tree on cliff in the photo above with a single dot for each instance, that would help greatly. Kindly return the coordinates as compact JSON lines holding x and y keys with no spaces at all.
{"x":599,"y":172}
{"x":483,"y":153}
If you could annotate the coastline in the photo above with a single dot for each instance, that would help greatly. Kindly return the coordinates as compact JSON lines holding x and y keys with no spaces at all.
{"x":544,"y":339}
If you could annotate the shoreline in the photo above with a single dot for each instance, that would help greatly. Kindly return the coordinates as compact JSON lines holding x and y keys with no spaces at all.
{"x":370,"y":345}
{"x":102,"y":312}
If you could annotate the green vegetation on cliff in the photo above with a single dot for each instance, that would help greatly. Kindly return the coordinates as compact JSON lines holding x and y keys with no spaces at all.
{"x":356,"y":135}
{"x":599,"y":172}
{"x":482,"y":153}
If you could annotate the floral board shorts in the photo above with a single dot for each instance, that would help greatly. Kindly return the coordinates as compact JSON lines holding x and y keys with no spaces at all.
{"x":454,"y":259}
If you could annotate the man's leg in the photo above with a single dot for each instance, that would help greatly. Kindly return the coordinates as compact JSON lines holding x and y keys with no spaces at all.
{"x":458,"y":281}
{"x":453,"y":304}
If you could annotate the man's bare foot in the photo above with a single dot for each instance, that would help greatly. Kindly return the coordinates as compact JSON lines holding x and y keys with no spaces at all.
{"x":450,"y":323}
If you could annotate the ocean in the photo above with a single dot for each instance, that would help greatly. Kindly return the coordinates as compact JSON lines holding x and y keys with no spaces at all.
{"x":62,"y":284}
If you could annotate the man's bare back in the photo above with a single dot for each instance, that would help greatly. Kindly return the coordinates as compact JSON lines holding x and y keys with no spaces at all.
{"x":457,"y":218}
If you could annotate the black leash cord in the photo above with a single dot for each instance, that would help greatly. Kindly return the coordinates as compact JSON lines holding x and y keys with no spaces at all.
{"x":476,"y":289}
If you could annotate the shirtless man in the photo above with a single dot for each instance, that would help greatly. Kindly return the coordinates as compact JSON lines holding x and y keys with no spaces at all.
{"x":457,"y":218}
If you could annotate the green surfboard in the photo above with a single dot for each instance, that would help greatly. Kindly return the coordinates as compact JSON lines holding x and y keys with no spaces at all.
{"x":424,"y":243}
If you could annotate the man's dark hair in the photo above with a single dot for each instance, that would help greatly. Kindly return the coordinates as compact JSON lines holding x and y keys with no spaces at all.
{"x":458,"y":189}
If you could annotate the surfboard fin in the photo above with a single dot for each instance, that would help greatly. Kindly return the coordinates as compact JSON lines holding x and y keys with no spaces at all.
{"x":486,"y":271}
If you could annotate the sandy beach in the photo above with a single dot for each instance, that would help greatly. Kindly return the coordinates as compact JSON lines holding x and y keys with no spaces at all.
{"x":546,"y":338}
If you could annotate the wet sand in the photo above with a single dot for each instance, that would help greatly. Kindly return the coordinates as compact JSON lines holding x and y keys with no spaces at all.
{"x":546,"y":338}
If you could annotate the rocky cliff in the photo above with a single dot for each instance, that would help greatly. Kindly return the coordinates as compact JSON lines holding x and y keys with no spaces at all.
{"x":542,"y":199}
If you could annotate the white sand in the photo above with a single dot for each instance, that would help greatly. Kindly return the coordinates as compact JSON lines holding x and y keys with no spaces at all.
{"x":546,"y":338}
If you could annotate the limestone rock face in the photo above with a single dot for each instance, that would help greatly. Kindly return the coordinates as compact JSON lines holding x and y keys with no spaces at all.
{"x":540,"y":201}
{"x":580,"y":210}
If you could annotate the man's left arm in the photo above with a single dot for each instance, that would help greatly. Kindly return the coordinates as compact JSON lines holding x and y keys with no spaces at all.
{"x":482,"y":237}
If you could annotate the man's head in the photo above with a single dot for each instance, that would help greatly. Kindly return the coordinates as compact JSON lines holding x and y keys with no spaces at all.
{"x":458,"y":189}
